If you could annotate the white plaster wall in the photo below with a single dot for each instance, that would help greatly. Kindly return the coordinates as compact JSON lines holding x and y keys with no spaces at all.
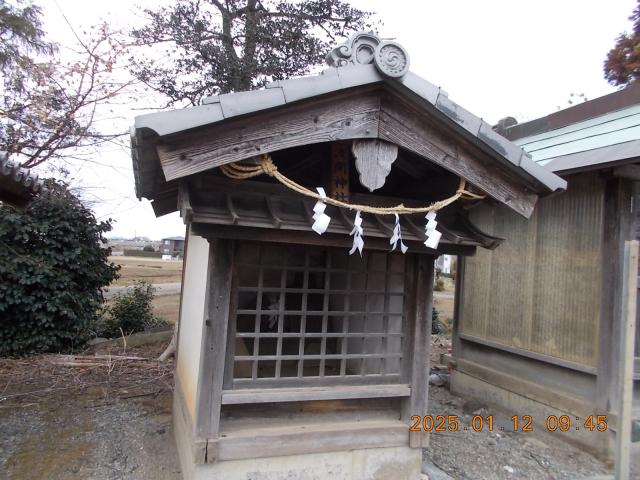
{"x":192,"y":317}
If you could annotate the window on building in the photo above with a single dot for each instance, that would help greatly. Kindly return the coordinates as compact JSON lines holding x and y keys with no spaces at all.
{"x":317,"y":312}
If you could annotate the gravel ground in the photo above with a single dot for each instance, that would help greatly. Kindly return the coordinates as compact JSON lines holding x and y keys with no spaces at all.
{"x":502,"y":454}
{"x":81,"y":419}
{"x":125,"y":439}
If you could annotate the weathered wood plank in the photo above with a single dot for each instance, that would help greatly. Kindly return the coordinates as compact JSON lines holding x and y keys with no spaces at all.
{"x":368,"y":114}
{"x":232,"y":397}
{"x":419,"y":286}
{"x":328,"y":437}
{"x":214,"y":339}
{"x":579,"y":367}
{"x":339,"y":176}
{"x":373,"y":161}
{"x":311,"y":238}
{"x":535,"y":391}
{"x":344,"y":116}
{"x":618,"y":225}
{"x":627,"y":322}
{"x":402,"y":124}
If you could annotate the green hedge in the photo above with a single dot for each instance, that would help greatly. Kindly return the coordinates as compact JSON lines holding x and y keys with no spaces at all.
{"x":141,"y":253}
{"x":52,"y":270}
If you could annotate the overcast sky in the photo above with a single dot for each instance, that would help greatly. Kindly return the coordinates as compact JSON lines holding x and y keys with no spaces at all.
{"x":493,"y":57}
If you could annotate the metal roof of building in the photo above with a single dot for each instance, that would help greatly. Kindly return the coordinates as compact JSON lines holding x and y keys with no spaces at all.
{"x":601,"y":138}
{"x":347,"y":72}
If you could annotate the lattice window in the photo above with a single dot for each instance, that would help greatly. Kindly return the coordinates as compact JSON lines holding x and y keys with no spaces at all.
{"x":317,"y":312}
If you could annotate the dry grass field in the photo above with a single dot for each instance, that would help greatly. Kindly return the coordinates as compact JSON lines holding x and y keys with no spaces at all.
{"x":151,"y":270}
{"x":166,"y":306}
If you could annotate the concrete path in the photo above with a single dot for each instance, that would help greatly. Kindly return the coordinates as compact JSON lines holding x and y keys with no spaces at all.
{"x":160,"y":289}
{"x":443,"y":294}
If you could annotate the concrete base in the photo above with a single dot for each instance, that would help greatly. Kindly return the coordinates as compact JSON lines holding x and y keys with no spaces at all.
{"x":389,"y":463}
{"x":372,"y":464}
{"x":511,"y":403}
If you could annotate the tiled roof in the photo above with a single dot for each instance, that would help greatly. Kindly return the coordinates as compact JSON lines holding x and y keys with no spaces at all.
{"x":17,"y":185}
{"x":351,"y":74}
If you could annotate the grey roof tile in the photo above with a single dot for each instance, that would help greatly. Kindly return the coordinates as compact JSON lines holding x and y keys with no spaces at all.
{"x":240,"y":103}
{"x":211,"y":99}
{"x":499,"y":144}
{"x":165,"y":123}
{"x":355,"y":76}
{"x":462,"y":117}
{"x":307,"y":87}
{"x":422,"y":87}
{"x":542,"y":174}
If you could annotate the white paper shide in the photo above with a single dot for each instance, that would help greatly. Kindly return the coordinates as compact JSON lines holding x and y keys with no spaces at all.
{"x":357,"y":233}
{"x":433,"y":235}
{"x":321,"y":219}
{"x":397,"y":237}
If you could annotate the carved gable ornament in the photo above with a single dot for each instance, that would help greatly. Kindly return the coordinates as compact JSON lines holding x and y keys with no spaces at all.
{"x":390,"y":58}
{"x":373,"y":161}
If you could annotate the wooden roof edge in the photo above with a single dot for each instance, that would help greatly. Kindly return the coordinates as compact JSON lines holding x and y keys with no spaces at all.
{"x":345,"y":73}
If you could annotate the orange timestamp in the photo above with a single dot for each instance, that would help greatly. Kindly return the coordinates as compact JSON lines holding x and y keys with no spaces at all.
{"x":520,"y":423}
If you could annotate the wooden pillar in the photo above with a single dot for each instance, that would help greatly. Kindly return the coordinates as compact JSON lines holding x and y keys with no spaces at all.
{"x":617,"y":227}
{"x":418,"y":354}
{"x":214,"y":341}
{"x":339,"y":176}
{"x":458,"y":302}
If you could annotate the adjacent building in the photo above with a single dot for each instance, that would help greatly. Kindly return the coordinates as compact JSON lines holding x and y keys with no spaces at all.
{"x":536,"y":327}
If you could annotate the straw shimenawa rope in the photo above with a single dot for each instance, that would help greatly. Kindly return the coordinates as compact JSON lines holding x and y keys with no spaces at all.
{"x":239,"y":171}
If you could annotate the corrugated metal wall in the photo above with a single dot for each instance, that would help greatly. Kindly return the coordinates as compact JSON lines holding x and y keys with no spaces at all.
{"x":540,"y":290}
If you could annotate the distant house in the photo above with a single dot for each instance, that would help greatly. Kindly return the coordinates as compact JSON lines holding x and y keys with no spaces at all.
{"x":536,"y":328}
{"x":173,"y":246}
{"x":443,"y":264}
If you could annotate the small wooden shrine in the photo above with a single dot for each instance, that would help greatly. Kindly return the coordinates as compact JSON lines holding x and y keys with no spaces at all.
{"x":314,"y":210}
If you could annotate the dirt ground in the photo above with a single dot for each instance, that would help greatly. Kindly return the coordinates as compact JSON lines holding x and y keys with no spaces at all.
{"x":102,"y":418}
{"x":151,"y":270}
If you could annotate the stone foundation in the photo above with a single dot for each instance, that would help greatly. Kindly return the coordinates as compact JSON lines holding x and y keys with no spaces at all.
{"x":391,"y":463}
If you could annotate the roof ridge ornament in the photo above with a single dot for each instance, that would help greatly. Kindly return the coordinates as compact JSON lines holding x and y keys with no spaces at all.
{"x":364,"y":48}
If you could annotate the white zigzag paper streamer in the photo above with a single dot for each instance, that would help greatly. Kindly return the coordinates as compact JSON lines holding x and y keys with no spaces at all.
{"x":357,"y":232}
{"x":321,"y":219}
{"x":397,"y":237}
{"x":433,"y":235}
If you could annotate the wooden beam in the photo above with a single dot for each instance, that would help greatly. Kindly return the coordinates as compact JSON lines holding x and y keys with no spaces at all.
{"x":367,"y":114}
{"x":343,"y":116}
{"x":214,"y":339}
{"x":404,"y":125}
{"x":579,"y":367}
{"x":285,"y":440}
{"x":419,"y":333}
{"x":341,"y":392}
{"x":617,"y":227}
{"x":339,"y":175}
{"x":626,"y":361}
{"x":632,"y":172}
{"x":211,"y":231}
{"x":526,"y":388}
